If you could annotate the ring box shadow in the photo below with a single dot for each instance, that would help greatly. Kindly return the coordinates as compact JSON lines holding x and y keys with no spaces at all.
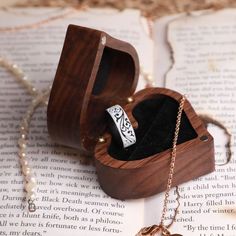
{"x":97,"y":71}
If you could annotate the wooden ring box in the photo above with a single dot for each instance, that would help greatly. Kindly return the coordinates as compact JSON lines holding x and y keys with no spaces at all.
{"x":96,"y":71}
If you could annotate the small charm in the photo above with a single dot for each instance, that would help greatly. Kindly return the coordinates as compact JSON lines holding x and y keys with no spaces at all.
{"x":155,"y":230}
{"x":31,"y":206}
{"x":149,"y":231}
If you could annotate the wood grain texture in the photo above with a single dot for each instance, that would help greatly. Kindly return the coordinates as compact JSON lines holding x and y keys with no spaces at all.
{"x":143,"y":178}
{"x":93,"y":76}
{"x":76,"y":108}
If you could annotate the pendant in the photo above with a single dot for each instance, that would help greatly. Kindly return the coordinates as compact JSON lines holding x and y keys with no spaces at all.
{"x":157,"y":230}
{"x":31,"y":206}
{"x":149,"y":231}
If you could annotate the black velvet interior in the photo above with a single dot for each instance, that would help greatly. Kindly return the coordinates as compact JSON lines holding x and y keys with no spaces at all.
{"x":157,"y":120}
{"x":103,"y":72}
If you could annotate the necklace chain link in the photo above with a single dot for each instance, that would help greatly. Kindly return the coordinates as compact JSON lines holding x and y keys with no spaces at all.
{"x":173,"y":158}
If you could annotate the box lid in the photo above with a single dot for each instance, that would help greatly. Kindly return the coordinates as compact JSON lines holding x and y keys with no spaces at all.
{"x":95,"y":71}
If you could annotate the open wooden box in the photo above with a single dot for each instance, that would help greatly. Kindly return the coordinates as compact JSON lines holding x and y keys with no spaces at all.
{"x":97,"y":71}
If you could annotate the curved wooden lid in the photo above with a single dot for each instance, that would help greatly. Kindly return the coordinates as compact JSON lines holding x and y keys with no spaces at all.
{"x":95,"y":71}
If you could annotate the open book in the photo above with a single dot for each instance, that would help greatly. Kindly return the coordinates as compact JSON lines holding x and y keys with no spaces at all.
{"x":193,"y":54}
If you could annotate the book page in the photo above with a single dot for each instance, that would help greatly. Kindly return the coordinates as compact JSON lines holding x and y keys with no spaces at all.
{"x":162,"y":53}
{"x":203,"y":67}
{"x":69,"y":198}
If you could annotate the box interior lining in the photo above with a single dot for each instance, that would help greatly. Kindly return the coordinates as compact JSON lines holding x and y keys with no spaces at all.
{"x":156,"y":119}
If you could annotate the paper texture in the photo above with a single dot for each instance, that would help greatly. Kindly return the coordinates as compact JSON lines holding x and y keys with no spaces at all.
{"x":70,"y":200}
{"x":198,"y":59}
{"x":204,"y":59}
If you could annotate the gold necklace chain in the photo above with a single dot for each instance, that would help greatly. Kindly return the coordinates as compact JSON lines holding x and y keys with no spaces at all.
{"x":162,"y":228}
{"x":173,"y":158}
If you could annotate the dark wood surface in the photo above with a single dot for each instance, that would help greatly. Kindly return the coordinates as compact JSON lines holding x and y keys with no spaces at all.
{"x":77,"y":106}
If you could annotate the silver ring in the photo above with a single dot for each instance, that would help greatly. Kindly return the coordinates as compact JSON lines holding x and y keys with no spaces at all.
{"x":123,"y":125}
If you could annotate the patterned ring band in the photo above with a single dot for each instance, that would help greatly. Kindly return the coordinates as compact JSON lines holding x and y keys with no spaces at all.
{"x":121,"y":126}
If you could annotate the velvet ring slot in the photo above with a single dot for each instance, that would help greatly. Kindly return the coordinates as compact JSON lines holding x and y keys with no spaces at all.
{"x":93,"y":77}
